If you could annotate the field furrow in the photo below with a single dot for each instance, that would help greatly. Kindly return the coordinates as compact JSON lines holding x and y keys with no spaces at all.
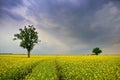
{"x":45,"y":70}
{"x":58,"y":73}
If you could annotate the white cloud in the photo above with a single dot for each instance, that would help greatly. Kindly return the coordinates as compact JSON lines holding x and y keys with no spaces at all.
{"x":7,"y":33}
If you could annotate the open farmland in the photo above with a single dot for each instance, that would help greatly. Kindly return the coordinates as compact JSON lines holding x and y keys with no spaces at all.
{"x":18,"y":67}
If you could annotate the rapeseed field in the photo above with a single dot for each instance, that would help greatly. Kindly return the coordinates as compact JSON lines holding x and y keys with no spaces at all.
{"x":39,"y":67}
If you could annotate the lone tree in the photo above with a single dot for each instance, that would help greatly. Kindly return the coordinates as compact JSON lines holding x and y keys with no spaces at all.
{"x":28,"y":37}
{"x":97,"y":51}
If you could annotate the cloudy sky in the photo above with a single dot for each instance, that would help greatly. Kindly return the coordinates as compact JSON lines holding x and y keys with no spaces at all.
{"x":64,"y":26}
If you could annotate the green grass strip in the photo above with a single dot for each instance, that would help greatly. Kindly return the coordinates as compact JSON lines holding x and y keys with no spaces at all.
{"x":46,"y":70}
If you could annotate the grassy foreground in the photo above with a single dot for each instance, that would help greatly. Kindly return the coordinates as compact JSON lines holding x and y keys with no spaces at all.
{"x":19,"y":67}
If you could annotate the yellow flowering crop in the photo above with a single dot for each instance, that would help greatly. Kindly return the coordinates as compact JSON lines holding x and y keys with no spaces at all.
{"x":19,"y":67}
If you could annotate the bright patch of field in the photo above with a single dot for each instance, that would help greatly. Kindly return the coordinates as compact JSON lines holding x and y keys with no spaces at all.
{"x":19,"y":67}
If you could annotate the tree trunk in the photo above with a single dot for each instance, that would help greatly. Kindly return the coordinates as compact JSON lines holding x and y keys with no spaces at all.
{"x":28,"y":53}
{"x":96,"y":53}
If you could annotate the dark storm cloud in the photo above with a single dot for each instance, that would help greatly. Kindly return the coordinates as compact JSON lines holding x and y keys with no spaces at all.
{"x":117,"y":3}
{"x":7,"y":5}
{"x":77,"y":18}
{"x":10,"y":3}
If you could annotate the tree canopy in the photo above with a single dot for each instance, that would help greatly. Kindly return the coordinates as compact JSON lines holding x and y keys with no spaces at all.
{"x":97,"y":51}
{"x":28,"y":36}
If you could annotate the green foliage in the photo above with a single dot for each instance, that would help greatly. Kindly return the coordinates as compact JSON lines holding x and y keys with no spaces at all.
{"x":97,"y":51}
{"x":28,"y":37}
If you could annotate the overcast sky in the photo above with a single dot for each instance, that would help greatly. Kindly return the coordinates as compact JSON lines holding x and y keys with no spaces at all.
{"x":64,"y":26}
